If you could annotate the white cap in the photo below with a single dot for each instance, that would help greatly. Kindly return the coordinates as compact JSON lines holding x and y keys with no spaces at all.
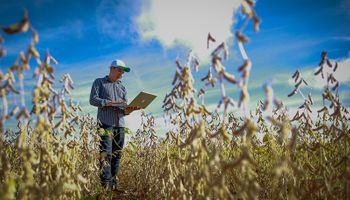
{"x":120,"y":65}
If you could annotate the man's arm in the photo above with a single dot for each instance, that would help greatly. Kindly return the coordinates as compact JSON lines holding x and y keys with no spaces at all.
{"x":95,"y":100}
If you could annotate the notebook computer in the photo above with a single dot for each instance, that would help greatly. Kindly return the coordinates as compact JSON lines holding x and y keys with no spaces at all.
{"x":143,"y":99}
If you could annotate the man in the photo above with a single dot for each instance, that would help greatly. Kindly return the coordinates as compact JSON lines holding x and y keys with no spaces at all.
{"x":109,"y":95}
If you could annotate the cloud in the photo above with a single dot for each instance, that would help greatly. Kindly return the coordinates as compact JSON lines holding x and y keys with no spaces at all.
{"x":316,"y":82}
{"x":283,"y":81}
{"x":342,"y":38}
{"x":161,"y":125}
{"x":187,"y":22}
{"x":133,"y":121}
{"x":341,"y":74}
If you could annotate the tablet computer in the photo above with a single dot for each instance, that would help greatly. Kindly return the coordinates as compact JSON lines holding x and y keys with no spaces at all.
{"x":143,"y":99}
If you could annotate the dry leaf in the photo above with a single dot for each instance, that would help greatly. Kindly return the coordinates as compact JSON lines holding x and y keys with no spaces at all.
{"x":241,"y":37}
{"x":22,"y":26}
{"x":210,"y":39}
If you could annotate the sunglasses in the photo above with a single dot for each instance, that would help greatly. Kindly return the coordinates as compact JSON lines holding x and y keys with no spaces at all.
{"x":117,"y":69}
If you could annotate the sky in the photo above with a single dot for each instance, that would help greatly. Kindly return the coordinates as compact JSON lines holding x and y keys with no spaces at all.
{"x":149,"y":35}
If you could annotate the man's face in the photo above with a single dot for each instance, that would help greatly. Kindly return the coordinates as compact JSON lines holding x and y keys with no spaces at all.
{"x":117,"y":73}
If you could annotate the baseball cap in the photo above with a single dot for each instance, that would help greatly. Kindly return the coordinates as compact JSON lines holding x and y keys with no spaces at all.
{"x":120,"y":65}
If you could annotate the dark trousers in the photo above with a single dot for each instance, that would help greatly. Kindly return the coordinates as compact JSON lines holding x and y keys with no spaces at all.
{"x":111,"y":152}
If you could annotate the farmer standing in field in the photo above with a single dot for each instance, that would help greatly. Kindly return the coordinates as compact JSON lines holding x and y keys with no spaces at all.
{"x":109,"y":95}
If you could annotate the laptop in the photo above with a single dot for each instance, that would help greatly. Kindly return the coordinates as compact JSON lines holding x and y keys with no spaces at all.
{"x":143,"y":99}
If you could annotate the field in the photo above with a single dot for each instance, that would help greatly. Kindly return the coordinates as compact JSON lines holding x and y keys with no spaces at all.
{"x":54,"y":152}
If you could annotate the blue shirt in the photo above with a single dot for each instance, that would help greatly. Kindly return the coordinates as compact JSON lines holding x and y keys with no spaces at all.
{"x":103,"y":91}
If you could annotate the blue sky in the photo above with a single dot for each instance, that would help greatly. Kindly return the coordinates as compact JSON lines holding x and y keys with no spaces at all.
{"x":85,"y":36}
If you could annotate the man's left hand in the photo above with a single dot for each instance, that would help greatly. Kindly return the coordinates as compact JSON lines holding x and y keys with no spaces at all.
{"x":130,"y":109}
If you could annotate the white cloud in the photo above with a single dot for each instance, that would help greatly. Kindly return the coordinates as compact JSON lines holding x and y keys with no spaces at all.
{"x":341,"y":74}
{"x":315,"y":83}
{"x":161,"y":126}
{"x":133,"y":121}
{"x":187,"y":22}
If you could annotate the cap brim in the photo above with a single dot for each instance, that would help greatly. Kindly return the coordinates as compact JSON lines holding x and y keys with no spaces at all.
{"x":125,"y":69}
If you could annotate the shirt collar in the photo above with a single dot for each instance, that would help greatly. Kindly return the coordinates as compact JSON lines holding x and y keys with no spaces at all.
{"x":107,"y":79}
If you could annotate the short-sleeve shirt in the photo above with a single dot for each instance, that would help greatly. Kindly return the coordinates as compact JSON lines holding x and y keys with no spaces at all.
{"x":103,"y":91}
